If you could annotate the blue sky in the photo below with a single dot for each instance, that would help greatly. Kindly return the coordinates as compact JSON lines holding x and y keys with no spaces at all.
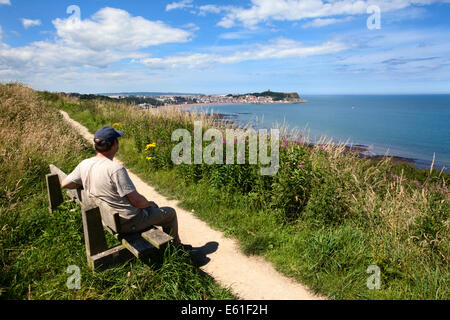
{"x":209,"y":46}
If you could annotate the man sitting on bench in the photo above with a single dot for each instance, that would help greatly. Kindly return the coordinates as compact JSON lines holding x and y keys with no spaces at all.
{"x":107,"y":181}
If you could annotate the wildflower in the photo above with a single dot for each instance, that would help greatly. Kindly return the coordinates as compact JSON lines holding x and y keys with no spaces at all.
{"x":116,"y":125}
{"x":152,"y":145}
{"x":285,"y":144}
{"x":300,"y":166}
{"x":159,"y":141}
{"x":149,"y":158}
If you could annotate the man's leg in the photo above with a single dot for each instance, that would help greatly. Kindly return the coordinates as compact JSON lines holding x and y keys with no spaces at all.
{"x":165,"y":217}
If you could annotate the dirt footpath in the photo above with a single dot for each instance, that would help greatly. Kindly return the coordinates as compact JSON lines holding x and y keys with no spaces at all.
{"x":250,"y":278}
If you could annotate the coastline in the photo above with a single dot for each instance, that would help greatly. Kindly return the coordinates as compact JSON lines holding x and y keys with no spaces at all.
{"x":229,"y":104}
{"x":361,"y":149}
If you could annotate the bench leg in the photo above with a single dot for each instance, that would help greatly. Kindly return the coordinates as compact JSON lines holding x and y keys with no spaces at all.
{"x":99,"y":257}
{"x":94,"y":236}
{"x":55,"y":196}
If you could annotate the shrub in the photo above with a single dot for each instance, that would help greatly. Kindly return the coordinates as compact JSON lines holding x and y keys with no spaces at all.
{"x":291,"y":187}
{"x":327,"y":204}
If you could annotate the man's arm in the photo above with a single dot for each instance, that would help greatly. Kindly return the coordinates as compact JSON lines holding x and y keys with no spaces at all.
{"x":139,"y":201}
{"x":73,"y":180}
{"x":125,"y":188}
{"x":70,"y":185}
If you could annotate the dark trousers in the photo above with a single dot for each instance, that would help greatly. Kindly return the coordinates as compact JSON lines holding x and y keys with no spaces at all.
{"x":165,"y":217}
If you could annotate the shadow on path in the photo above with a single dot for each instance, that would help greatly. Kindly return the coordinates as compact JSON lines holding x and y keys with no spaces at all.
{"x":200,"y":254}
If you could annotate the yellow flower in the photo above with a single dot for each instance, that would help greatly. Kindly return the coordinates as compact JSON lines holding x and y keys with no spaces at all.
{"x":116,"y":125}
{"x":149,"y":158}
{"x":152,"y":145}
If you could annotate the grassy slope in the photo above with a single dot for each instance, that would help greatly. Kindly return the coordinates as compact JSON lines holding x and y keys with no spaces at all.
{"x":357,"y":214}
{"x":36,"y":246}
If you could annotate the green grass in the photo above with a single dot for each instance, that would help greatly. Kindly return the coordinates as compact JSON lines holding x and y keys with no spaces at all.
{"x":41,"y":246}
{"x":37,"y":247}
{"x":324,"y":223}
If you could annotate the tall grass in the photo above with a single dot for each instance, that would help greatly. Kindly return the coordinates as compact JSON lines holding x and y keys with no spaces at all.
{"x":37,"y":247}
{"x":324,"y":218}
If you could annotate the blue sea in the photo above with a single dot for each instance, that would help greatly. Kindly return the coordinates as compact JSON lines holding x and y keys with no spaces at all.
{"x":409,"y":126}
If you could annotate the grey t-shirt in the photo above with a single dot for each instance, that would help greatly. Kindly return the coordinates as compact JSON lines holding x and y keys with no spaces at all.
{"x":107,"y":181}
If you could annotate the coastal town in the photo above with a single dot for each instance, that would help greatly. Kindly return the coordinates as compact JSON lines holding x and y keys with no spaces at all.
{"x":241,"y":99}
{"x":155,"y":101}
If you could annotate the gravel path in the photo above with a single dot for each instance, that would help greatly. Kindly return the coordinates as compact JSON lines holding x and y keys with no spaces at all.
{"x":249,"y":278}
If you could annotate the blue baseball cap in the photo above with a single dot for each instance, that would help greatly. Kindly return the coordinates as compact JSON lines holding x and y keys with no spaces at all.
{"x":108,"y":134}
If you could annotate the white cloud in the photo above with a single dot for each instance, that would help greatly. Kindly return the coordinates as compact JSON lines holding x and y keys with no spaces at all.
{"x":30,"y":23}
{"x":109,"y":36}
{"x":292,"y":10}
{"x":278,"y":49}
{"x":179,"y":5}
{"x":411,"y":52}
{"x":212,"y":8}
{"x":317,"y":23}
{"x":5,"y":2}
{"x":243,"y":34}
{"x":48,"y":57}
{"x":113,"y":28}
{"x":191,"y":26}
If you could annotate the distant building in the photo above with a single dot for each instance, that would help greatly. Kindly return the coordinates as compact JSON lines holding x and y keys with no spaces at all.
{"x":145,"y":106}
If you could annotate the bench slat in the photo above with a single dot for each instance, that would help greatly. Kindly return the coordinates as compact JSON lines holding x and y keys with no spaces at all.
{"x":110,"y":257}
{"x":138,"y":245}
{"x":157,"y":237}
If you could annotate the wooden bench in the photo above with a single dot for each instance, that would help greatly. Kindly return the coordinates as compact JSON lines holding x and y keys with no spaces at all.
{"x":96,"y":219}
